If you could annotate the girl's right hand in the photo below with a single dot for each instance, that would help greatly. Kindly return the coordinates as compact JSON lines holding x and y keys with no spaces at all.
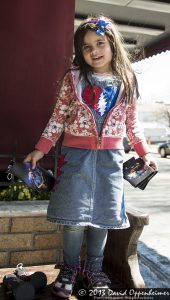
{"x":33,"y":157}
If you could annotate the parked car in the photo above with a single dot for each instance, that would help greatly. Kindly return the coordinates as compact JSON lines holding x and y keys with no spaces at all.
{"x":164,"y":149}
{"x":126,"y":144}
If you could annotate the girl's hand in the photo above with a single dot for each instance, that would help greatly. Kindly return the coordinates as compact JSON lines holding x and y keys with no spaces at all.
{"x":149,"y":161}
{"x":33,"y":157}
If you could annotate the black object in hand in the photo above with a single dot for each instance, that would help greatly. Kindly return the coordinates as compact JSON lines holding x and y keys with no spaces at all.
{"x":38,"y":179}
{"x":135,"y":174}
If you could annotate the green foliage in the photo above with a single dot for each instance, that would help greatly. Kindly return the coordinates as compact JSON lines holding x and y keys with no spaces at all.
{"x":21,"y":192}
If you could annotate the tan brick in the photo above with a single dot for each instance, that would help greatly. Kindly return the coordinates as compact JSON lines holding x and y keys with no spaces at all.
{"x":4,"y":259}
{"x":4,"y":224}
{"x":15,"y":241}
{"x":34,"y":257}
{"x":46,"y":241}
{"x":32,"y":224}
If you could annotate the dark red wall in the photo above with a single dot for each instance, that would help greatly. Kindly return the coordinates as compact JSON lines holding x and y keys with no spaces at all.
{"x":35,"y":50}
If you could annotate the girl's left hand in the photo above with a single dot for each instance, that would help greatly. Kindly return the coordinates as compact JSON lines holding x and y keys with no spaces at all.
{"x":149,"y":161}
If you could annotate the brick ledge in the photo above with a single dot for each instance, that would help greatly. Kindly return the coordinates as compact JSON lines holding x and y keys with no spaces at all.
{"x":23,"y":208}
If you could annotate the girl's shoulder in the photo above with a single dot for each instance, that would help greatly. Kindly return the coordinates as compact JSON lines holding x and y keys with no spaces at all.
{"x":69,"y":75}
{"x":74,"y":70}
{"x":74,"y":73}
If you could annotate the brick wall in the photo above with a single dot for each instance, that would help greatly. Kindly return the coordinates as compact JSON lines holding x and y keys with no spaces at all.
{"x":30,"y":240}
{"x":26,"y":236}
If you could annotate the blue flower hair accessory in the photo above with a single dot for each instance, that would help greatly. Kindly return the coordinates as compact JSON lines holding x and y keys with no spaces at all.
{"x":101,"y":23}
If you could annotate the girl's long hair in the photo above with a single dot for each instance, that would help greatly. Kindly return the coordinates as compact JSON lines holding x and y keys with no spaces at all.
{"x":120,"y":63}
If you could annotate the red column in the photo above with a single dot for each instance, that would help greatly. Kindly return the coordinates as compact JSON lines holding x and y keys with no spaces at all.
{"x":36,"y":47}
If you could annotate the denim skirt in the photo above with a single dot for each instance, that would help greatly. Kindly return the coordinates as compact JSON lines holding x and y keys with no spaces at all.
{"x":89,"y":189}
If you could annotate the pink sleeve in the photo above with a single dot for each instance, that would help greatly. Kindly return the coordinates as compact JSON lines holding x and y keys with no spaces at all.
{"x":134,"y":130}
{"x":55,"y":125}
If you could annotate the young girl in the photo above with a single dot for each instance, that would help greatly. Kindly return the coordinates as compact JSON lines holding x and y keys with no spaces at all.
{"x":96,"y":102}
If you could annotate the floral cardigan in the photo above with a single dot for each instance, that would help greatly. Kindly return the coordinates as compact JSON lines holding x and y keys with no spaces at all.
{"x":73,"y":117}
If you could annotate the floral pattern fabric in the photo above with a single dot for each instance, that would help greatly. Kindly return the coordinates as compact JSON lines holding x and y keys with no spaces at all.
{"x":73,"y":116}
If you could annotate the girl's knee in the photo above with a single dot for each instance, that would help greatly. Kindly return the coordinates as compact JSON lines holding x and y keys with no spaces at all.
{"x":97,"y":230}
{"x":72,"y":228}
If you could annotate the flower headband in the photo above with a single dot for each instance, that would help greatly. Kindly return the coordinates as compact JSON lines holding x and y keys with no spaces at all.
{"x":101,"y":23}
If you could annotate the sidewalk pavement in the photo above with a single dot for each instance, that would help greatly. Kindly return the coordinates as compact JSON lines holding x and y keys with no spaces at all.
{"x":154,"y":246}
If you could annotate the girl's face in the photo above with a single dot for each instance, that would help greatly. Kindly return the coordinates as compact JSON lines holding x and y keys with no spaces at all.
{"x":97,"y":52}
